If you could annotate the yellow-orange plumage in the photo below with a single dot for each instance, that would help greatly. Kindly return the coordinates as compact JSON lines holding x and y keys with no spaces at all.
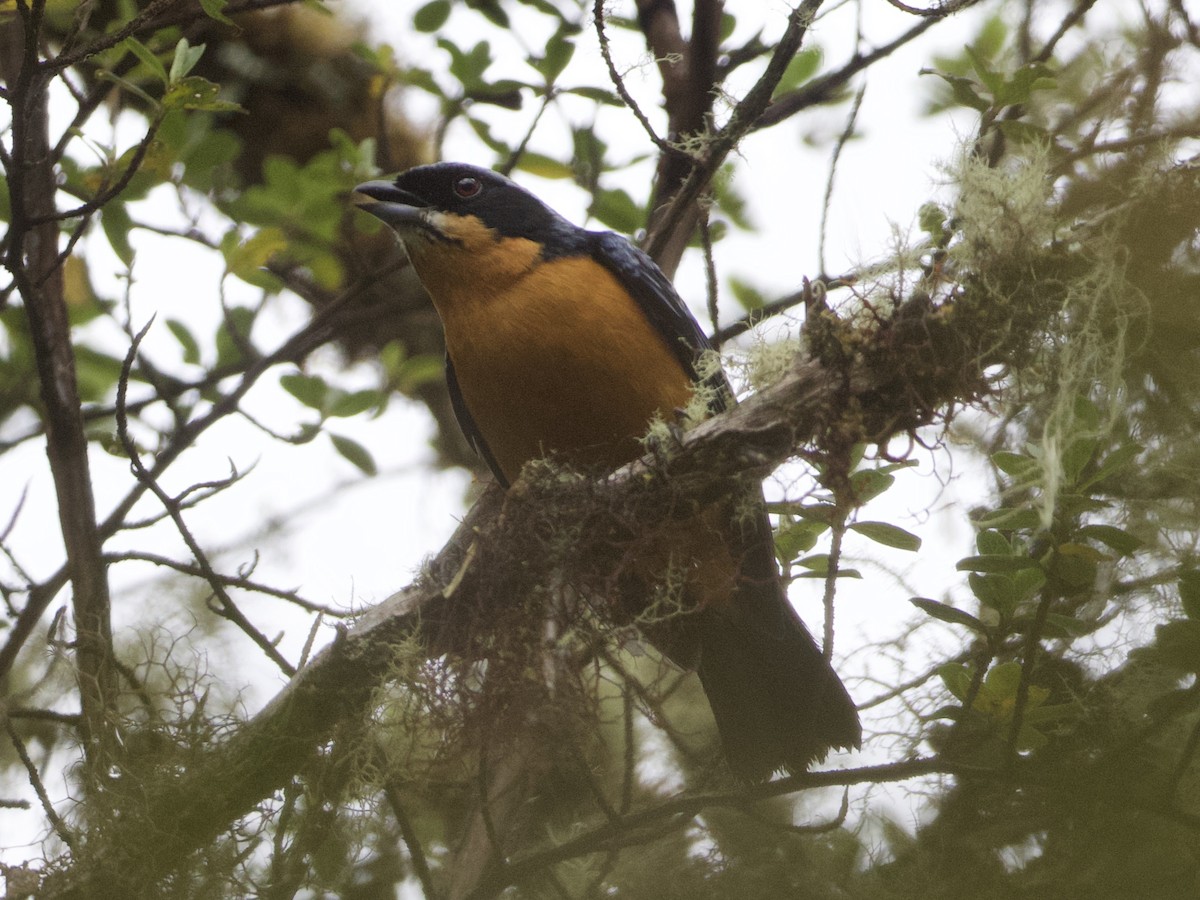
{"x":585,"y":385}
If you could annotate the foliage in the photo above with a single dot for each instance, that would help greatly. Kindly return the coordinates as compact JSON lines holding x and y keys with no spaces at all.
{"x":496,"y":724}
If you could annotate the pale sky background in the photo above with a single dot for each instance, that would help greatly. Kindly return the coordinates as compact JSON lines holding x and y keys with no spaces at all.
{"x":351,"y":541}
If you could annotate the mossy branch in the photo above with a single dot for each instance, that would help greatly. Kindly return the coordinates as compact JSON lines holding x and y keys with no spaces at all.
{"x":886,"y":377}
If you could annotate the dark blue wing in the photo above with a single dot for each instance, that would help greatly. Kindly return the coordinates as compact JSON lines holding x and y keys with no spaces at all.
{"x":660,"y":303}
{"x":469,"y":429}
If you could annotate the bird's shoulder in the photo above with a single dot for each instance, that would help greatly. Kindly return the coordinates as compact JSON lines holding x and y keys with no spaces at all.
{"x":659,"y":302}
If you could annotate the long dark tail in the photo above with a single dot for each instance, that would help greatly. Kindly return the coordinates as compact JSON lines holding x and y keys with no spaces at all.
{"x":778,"y":703}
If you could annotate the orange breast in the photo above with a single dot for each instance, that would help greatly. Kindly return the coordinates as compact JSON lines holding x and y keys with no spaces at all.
{"x":559,"y":360}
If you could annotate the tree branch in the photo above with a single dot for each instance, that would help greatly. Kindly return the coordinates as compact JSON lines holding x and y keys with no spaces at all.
{"x":34,"y":262}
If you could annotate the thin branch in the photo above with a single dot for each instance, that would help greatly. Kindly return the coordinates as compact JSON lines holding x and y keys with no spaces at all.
{"x":823,"y":89}
{"x":236,"y":581}
{"x":35,"y":780}
{"x":315,"y":334}
{"x":679,"y":811}
{"x":838,"y":147}
{"x":1033,"y":646}
{"x":710,"y":271}
{"x":618,"y":82}
{"x":228,"y":609}
{"x":411,"y":840}
{"x":758,"y":315}
{"x":34,"y":260}
{"x":71,"y":720}
{"x":1069,"y":21}
{"x":741,"y":121}
{"x":938,"y":11}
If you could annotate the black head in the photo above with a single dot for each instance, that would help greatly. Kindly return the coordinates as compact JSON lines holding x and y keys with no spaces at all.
{"x":458,"y":189}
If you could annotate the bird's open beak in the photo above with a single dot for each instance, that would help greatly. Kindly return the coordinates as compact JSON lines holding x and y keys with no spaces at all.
{"x":397,"y":208}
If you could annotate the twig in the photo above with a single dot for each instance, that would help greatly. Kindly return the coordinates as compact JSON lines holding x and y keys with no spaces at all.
{"x":741,"y":121}
{"x":411,"y":840}
{"x":619,"y":82}
{"x":821,"y":90}
{"x":838,"y":147}
{"x":236,"y":581}
{"x":316,"y":333}
{"x":710,"y":271}
{"x":227,"y":608}
{"x":760,"y":314}
{"x":938,"y":11}
{"x":35,"y":780}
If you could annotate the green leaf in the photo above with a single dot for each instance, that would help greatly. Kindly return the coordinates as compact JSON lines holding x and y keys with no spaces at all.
{"x":1003,"y":680}
{"x":214,"y":9}
{"x":199,"y":93}
{"x":1074,"y":565}
{"x":728,"y":26}
{"x":992,"y":80}
{"x":1022,"y":467}
{"x":415,"y":371}
{"x":233,"y":336}
{"x":818,"y":567}
{"x":492,"y":11}
{"x":996,"y":564}
{"x":932,"y":221}
{"x":746,"y":294}
{"x":96,"y":373}
{"x":869,"y":484}
{"x":1029,"y":738}
{"x":468,"y":67}
{"x":1112,"y":464}
{"x":355,"y":453}
{"x":115,"y":221}
{"x":1028,"y":582}
{"x":352,"y":403}
{"x":957,"y":679}
{"x":1019,"y":87}
{"x":1062,"y":626}
{"x":802,"y":68}
{"x":945,"y":613}
{"x":148,"y":58}
{"x":1076,"y":457}
{"x":1009,"y":518}
{"x":795,"y":538}
{"x":887,"y":534}
{"x":191,"y":349}
{"x":995,"y":591}
{"x":311,"y":390}
{"x":617,"y":210}
{"x":596,"y":95}
{"x":186,"y":57}
{"x":544,"y":166}
{"x":432,"y":16}
{"x":559,"y":51}
{"x":484,"y":132}
{"x":962,"y":89}
{"x":993,"y":543}
{"x":990,"y":40}
{"x":246,"y":258}
{"x":1118,"y":539}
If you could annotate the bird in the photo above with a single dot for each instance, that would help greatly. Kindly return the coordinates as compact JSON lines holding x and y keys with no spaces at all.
{"x":569,"y":342}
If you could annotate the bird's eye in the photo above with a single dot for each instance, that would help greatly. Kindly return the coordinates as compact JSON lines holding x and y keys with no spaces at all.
{"x":467,"y":187}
